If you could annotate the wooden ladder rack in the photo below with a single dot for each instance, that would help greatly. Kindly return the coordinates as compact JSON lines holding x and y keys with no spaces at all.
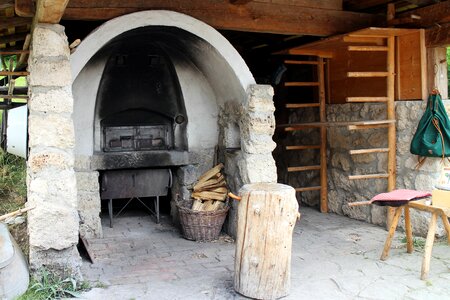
{"x":319,"y":64}
{"x":389,"y":123}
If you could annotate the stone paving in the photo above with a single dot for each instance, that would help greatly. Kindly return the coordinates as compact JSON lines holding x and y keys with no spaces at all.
{"x":333,"y":258}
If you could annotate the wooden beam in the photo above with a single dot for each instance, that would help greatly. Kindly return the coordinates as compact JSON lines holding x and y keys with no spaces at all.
{"x":438,"y":13}
{"x":239,"y":2}
{"x":14,"y":22}
{"x":50,"y":11}
{"x":438,"y":36}
{"x":5,"y":4}
{"x":252,"y":17}
{"x":25,"y":8}
{"x":357,"y":5}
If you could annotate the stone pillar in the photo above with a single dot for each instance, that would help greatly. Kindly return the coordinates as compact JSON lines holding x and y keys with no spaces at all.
{"x":89,"y":204}
{"x":53,"y":226}
{"x":257,"y":126}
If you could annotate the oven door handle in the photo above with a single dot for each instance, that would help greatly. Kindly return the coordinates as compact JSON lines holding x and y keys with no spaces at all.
{"x":105,"y":183}
{"x":170,"y":178}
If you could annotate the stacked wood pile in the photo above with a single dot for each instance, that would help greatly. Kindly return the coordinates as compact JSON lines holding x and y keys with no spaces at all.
{"x":210,"y":191}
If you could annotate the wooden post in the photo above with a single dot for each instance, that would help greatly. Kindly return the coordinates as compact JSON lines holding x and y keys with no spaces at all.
{"x":266,"y":218}
{"x":323,"y":139}
{"x":437,"y":70}
{"x":392,"y":138}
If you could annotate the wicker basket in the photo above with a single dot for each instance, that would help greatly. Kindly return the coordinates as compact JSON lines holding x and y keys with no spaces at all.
{"x":201,"y":226}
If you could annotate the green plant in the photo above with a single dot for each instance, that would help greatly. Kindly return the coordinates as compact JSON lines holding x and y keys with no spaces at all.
{"x":48,"y":285}
{"x":418,"y":243}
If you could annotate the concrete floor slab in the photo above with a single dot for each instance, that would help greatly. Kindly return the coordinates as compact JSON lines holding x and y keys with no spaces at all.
{"x":333,"y":257}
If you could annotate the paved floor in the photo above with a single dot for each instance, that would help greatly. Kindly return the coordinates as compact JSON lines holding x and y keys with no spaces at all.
{"x":333,"y":258}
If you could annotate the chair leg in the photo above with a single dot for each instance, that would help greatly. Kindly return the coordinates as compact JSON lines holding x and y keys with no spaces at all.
{"x":387,"y":244}
{"x":446,"y":225}
{"x":428,"y":247}
{"x":408,"y":229}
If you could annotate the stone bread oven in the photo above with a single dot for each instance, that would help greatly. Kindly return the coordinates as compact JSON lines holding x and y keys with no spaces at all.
{"x":153,"y":89}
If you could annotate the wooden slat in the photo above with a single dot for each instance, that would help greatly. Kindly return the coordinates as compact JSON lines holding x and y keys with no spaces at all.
{"x":364,"y":127}
{"x":367,"y":48}
{"x":308,"y":189}
{"x":366,"y":99}
{"x":367,"y":74}
{"x":368,"y":176}
{"x":301,"y":83}
{"x":13,"y":96}
{"x":13,"y":73}
{"x":12,"y":52}
{"x":301,"y":62}
{"x":302,"y":105}
{"x":14,"y":22}
{"x":312,"y":52}
{"x":268,"y":17}
{"x":365,"y":40}
{"x":303,"y":147}
{"x":303,"y":168}
{"x":367,"y":124}
{"x":365,"y":151}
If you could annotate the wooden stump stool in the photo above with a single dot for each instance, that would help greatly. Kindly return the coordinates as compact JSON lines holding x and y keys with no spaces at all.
{"x":266,"y":218}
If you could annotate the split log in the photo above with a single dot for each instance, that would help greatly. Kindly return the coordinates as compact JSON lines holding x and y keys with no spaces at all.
{"x":197,"y":205}
{"x":212,"y":205}
{"x":210,"y":173}
{"x":209,"y":183}
{"x":206,"y":195}
{"x":266,"y":218}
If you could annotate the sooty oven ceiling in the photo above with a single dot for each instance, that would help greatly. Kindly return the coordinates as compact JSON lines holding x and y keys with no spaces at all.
{"x":139,"y":102}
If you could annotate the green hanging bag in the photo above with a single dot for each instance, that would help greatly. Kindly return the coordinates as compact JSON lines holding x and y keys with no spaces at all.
{"x":432,"y":137}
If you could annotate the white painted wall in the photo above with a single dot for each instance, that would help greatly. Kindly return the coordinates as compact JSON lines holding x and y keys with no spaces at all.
{"x":211,"y":73}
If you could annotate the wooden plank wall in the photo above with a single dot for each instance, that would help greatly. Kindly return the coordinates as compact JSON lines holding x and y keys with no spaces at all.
{"x":410,"y":81}
{"x":342,"y":86}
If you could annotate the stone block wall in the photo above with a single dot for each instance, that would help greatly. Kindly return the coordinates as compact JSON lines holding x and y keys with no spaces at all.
{"x":341,"y":190}
{"x":53,"y":224}
{"x":89,"y":204}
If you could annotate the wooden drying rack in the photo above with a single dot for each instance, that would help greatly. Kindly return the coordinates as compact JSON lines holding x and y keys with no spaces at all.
{"x":365,"y":40}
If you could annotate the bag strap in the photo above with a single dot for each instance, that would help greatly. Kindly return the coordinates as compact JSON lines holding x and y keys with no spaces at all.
{"x":435,"y":122}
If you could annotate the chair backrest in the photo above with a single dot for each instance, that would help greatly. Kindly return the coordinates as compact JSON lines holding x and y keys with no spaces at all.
{"x":441,"y":198}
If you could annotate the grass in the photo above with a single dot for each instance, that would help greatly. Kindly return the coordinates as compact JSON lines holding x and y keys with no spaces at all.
{"x":47,"y":285}
{"x":12,"y":194}
{"x":12,"y":180}
{"x":418,"y":243}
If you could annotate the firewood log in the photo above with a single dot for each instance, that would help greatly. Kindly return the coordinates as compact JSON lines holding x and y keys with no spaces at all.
{"x":197,"y":205}
{"x":205,"y":195}
{"x":204,"y":184}
{"x":210,"y":173}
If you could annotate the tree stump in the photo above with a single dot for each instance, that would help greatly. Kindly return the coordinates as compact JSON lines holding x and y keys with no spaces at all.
{"x":266,"y":218}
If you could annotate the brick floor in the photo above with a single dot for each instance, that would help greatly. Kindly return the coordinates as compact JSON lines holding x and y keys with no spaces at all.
{"x":333,"y":257}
